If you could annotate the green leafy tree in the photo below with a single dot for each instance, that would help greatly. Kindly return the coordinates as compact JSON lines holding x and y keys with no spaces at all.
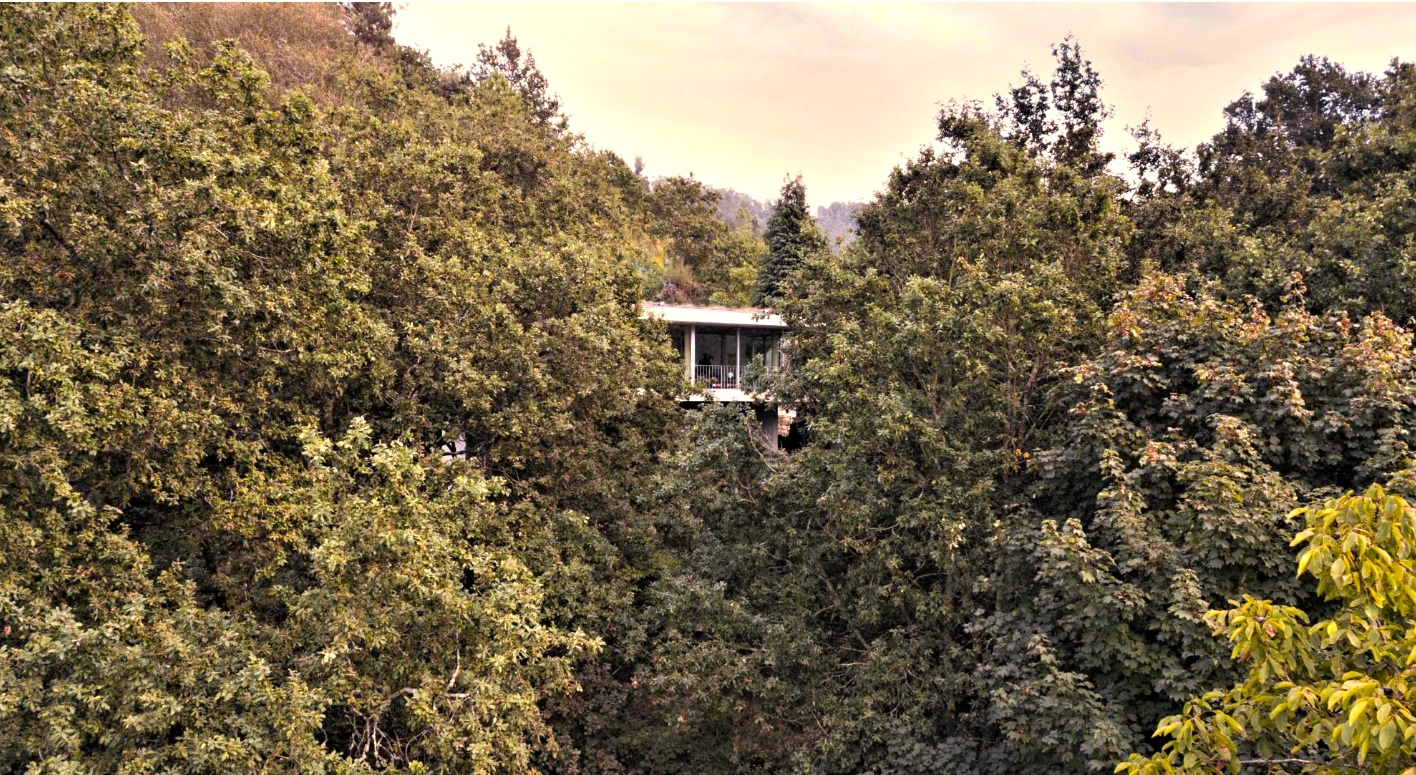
{"x":106,"y":661}
{"x":1076,"y":93}
{"x":1062,"y":118}
{"x":1306,"y":178}
{"x":705,"y":259}
{"x":1322,"y":693}
{"x":331,"y":439}
{"x":1025,"y":113}
{"x":305,"y":446}
{"x":1028,"y":486}
{"x":1198,"y":425}
{"x":825,"y":617}
{"x":370,"y":23}
{"x":505,"y":59}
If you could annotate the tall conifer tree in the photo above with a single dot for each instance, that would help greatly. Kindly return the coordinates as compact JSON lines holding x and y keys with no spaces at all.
{"x":791,"y":237}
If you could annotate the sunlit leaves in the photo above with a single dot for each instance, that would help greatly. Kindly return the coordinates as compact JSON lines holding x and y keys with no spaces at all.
{"x":1324,"y":697}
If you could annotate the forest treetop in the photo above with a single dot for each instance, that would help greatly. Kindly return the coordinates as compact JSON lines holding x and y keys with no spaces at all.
{"x":332,"y":438}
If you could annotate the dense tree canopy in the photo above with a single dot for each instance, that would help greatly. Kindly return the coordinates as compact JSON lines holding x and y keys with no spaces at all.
{"x":332,"y":439}
{"x":701,"y":258}
{"x":1039,"y":462}
{"x":302,"y":410}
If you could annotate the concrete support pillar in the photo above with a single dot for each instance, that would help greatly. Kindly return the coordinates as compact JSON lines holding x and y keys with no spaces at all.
{"x":767,"y":419}
{"x":690,"y":352}
{"x":737,"y":360}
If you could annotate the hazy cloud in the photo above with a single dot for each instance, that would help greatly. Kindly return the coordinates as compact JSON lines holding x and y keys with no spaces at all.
{"x":742,"y":94}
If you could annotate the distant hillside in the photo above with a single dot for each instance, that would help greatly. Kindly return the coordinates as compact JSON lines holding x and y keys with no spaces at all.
{"x":299,"y":45}
{"x":838,"y":220}
{"x":730,"y":202}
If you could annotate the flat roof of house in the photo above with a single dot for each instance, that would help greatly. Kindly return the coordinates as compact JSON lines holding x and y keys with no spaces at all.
{"x":745,"y":317}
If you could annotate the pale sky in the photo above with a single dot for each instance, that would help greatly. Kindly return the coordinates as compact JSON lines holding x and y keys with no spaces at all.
{"x":742,"y":95}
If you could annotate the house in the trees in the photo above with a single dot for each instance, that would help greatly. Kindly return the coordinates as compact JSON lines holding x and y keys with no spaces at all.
{"x":728,"y":354}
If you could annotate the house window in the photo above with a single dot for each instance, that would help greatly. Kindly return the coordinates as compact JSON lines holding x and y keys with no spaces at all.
{"x":760,"y":355}
{"x":716,"y":346}
{"x":717,"y":359}
{"x":760,"y":347}
{"x":677,"y":337}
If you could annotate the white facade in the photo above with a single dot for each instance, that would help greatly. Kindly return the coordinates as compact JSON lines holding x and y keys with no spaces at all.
{"x":726,"y":350}
{"x":727,"y":353}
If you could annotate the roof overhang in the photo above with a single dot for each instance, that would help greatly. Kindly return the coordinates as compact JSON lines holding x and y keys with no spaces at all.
{"x":740,"y":317}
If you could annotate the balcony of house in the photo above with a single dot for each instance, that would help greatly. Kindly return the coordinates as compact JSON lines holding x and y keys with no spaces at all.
{"x":729,"y":354}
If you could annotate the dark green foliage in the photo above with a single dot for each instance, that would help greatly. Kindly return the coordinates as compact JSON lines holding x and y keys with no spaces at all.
{"x":792,"y":237}
{"x":828,"y":619}
{"x":1061,"y":119}
{"x":705,"y":259}
{"x":1308,"y":181}
{"x":370,"y":23}
{"x":1196,"y":430}
{"x":1025,"y":113}
{"x":1076,"y":93}
{"x":317,"y":424}
{"x":1023,"y":497}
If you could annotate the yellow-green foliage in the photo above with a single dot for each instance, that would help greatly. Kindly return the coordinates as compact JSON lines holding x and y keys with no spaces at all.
{"x":1328,"y":696}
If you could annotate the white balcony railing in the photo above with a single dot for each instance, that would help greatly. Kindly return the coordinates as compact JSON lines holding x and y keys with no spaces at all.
{"x":716,"y":377}
{"x":730,"y":377}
